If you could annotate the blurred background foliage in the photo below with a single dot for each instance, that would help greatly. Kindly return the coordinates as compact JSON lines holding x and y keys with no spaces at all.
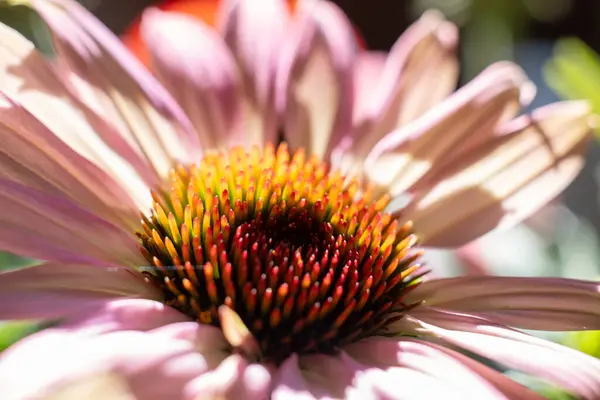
{"x":555,"y":41}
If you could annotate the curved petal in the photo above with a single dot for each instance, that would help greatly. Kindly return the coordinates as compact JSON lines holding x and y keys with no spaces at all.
{"x":508,"y":387}
{"x":505,"y":179}
{"x":45,"y":227}
{"x":567,"y":368}
{"x":467,"y":117}
{"x":420,"y":71}
{"x":291,"y":384}
{"x":390,"y":353}
{"x":235,"y":378}
{"x":255,"y":32}
{"x":140,"y":364}
{"x":106,"y":77}
{"x":55,"y":290}
{"x":401,"y":383}
{"x":31,"y":155}
{"x":314,"y":79}
{"x":29,"y":79}
{"x":368,"y":68}
{"x":194,"y":64}
{"x":334,"y":376}
{"x":424,"y":62}
{"x":550,"y":304}
{"x":124,"y":315}
{"x":207,"y":339}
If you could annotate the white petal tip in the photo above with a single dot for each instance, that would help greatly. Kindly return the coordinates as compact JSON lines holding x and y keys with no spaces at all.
{"x":527,"y":92}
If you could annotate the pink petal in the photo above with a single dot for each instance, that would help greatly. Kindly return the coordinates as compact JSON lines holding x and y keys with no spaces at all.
{"x":56,"y":290}
{"x":424,"y":62}
{"x":49,"y":100}
{"x":506,"y":179}
{"x":334,"y":376}
{"x":193,"y":62}
{"x":402,"y":157}
{"x":567,"y":368}
{"x":314,"y":80}
{"x":235,"y":378}
{"x":389,"y":353}
{"x":34,"y":156}
{"x":347,"y":156}
{"x":401,"y":383}
{"x":255,"y":33}
{"x":420,"y":71}
{"x":207,"y":339}
{"x":42,"y":226}
{"x":127,"y":314}
{"x":292,"y":385}
{"x":368,"y":67}
{"x":508,"y":387}
{"x":150,"y":366}
{"x":555,"y":304}
{"x":101,"y":71}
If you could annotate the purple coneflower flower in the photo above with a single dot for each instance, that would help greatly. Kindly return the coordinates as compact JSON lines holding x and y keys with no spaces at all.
{"x":260,"y":269}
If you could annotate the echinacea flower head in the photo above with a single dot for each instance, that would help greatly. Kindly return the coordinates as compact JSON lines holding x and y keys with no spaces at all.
{"x":229,"y":227}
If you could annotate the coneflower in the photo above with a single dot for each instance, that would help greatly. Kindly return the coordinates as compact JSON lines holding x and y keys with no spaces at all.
{"x":190,"y":253}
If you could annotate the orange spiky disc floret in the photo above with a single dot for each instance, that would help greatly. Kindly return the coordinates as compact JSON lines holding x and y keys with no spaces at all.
{"x":304,"y":256}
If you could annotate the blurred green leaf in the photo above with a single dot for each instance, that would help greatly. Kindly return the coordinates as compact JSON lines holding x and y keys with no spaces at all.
{"x":556,"y":394}
{"x":574,"y":72}
{"x":23,"y":19}
{"x":10,"y":261}
{"x":585,"y":341}
{"x":13,"y":331}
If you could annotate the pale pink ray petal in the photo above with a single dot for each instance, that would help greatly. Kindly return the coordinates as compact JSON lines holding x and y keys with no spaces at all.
{"x":147,"y":366}
{"x":543,"y":320}
{"x":386,"y":353}
{"x":338,"y":375}
{"x":195,"y":65}
{"x":420,"y":71}
{"x":565,"y":367}
{"x":31,"y":155}
{"x":550,"y":304}
{"x":467,"y":117}
{"x":325,"y":377}
{"x":109,"y":79}
{"x":290,"y":383}
{"x":502,"y":181}
{"x":255,"y":32}
{"x":46,"y":227}
{"x":234,"y":378}
{"x":31,"y":80}
{"x":207,"y":339}
{"x":54,"y":290}
{"x":507,"y":386}
{"x":141,"y":314}
{"x":315,"y":76}
{"x":423,"y":59}
{"x":126,"y":315}
{"x":402,"y":383}
{"x":368,"y":68}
